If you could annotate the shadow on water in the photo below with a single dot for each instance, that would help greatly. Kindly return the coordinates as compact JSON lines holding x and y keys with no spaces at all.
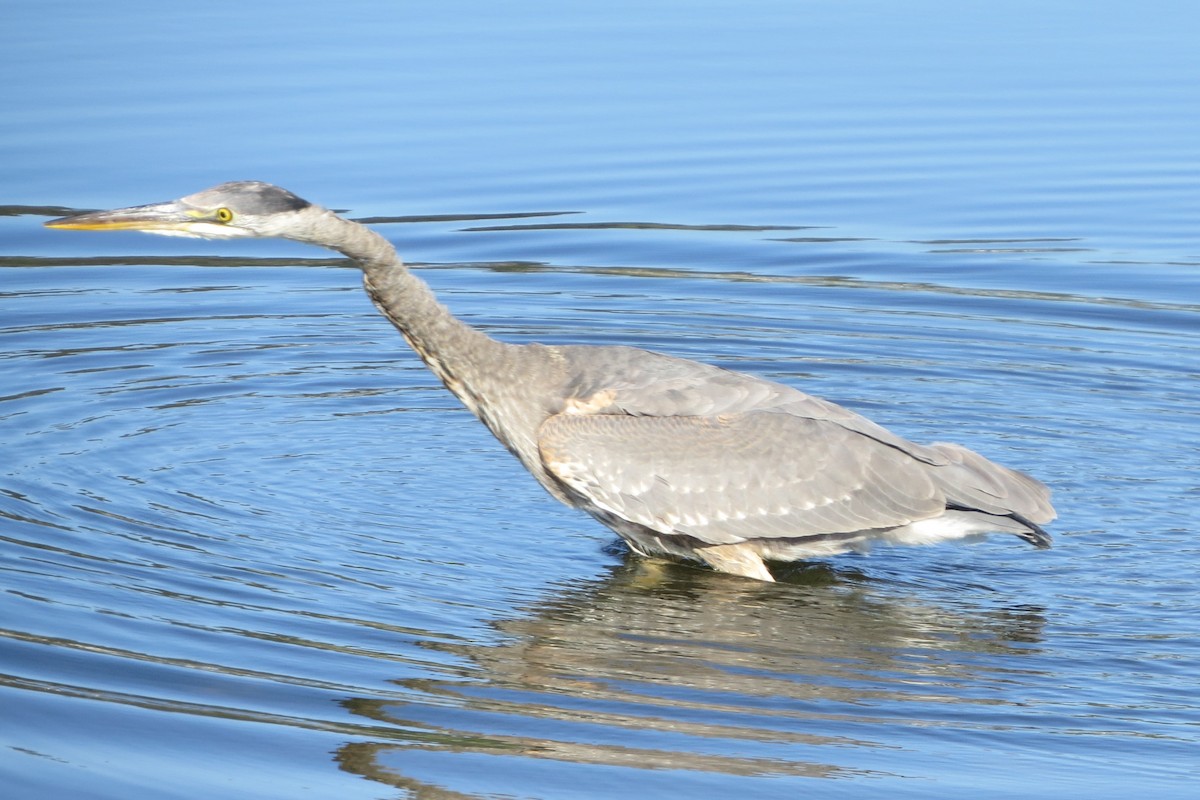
{"x":658,"y":668}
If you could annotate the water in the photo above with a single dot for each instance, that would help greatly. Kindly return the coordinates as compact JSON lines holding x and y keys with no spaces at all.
{"x":249,"y":547}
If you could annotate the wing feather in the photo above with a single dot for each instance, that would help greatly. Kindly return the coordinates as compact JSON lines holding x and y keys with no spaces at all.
{"x":731,"y":477}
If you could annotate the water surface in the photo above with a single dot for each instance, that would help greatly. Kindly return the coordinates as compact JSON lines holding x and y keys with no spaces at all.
{"x":250,"y":548}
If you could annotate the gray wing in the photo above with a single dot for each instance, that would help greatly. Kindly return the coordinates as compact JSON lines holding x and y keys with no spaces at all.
{"x":728,"y":435}
{"x":971,"y":481}
{"x":731,"y":477}
{"x":625,"y":380}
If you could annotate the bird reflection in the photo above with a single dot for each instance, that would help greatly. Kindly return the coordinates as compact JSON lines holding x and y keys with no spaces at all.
{"x":661,"y":667}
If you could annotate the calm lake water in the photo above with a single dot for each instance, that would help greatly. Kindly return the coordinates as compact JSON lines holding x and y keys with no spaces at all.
{"x":250,"y":548}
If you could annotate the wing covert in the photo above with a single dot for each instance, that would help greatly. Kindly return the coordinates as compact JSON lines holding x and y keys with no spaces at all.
{"x":731,"y":477}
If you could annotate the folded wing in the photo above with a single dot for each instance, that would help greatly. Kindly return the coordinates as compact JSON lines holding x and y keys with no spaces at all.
{"x":732,"y":477}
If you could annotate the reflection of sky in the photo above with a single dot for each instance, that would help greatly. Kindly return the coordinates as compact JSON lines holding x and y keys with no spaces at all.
{"x":920,"y":115}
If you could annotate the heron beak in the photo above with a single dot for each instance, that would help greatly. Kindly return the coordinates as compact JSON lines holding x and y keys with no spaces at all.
{"x":171,"y":219}
{"x":156,"y":217}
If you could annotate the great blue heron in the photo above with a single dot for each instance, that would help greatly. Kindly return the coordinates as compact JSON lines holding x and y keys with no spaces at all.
{"x":681,"y":459}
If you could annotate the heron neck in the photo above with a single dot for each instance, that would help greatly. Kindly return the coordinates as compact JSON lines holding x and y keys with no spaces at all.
{"x":466,"y":360}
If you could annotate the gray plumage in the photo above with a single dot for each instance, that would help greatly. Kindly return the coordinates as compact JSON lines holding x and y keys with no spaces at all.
{"x":681,"y":459}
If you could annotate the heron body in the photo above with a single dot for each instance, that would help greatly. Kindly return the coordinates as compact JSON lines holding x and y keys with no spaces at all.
{"x":681,"y":459}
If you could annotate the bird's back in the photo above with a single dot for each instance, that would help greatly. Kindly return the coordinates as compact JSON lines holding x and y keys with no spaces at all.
{"x":686,"y":454}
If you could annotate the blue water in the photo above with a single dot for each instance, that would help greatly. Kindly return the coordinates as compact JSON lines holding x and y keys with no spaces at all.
{"x":250,"y":548}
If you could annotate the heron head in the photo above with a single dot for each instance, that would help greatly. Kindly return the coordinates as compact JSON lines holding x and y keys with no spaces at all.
{"x":230,"y":210}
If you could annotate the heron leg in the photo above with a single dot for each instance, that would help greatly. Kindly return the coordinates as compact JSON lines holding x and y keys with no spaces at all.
{"x":736,"y":559}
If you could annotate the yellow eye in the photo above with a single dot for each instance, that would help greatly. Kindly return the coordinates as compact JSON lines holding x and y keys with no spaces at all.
{"x":224,"y":215}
